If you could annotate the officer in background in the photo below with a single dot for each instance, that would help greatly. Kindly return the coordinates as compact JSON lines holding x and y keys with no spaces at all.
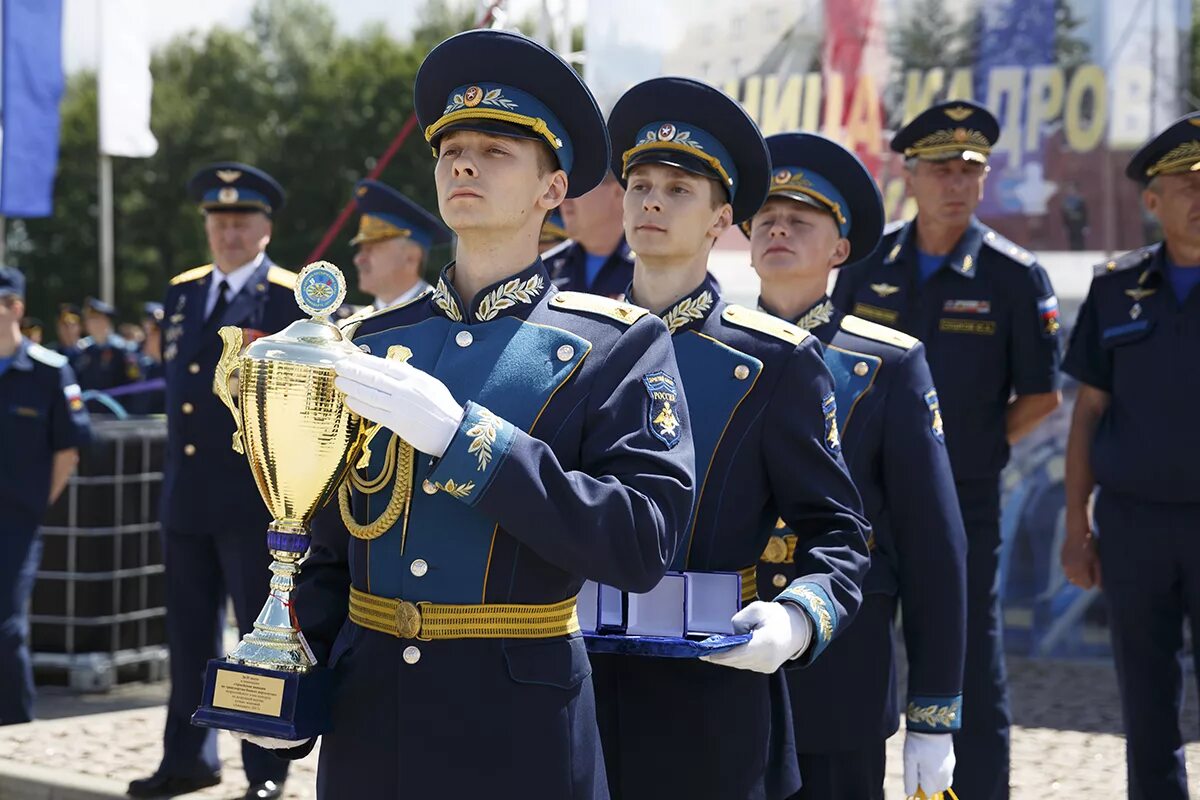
{"x":150,"y":362}
{"x":522,"y":450}
{"x":824,"y":210}
{"x":596,"y":258}
{"x":393,"y":239}
{"x":42,"y":426}
{"x":988,"y":317}
{"x":214,"y":521}
{"x":553,"y":233}
{"x":68,"y":329}
{"x":33,"y":329}
{"x":767,"y":446}
{"x":104,"y":360}
{"x":1134,"y":437}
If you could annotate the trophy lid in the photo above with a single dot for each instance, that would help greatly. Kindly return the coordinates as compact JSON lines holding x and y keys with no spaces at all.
{"x":320,"y":290}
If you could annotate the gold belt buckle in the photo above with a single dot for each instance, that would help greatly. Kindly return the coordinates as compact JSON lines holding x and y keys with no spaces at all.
{"x":408,"y":620}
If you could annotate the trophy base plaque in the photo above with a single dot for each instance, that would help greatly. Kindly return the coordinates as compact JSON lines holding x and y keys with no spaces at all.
{"x":264,"y":702}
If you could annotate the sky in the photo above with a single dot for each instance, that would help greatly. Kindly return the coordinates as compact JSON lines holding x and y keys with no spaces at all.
{"x":168,"y":18}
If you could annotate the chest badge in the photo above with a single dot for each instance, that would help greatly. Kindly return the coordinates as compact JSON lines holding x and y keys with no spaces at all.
{"x":829,"y":410}
{"x":1139,"y":294}
{"x":1135,"y":311}
{"x":884,"y":289}
{"x":935,"y":415}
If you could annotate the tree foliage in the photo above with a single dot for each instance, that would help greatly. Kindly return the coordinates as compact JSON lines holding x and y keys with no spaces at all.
{"x":288,"y":94}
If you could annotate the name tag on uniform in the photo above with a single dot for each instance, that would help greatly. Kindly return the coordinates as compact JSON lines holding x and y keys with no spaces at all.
{"x":867,"y":311}
{"x":27,"y":412}
{"x":975,"y":326}
{"x":967,"y":307}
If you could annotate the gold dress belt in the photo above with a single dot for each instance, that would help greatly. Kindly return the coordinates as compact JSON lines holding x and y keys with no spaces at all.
{"x":429,"y":621}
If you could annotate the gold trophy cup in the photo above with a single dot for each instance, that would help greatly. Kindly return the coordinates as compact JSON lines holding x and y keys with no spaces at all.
{"x":300,"y":440}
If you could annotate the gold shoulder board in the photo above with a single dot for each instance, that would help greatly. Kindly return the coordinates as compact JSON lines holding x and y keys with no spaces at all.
{"x":282,"y":277}
{"x":193,"y":274}
{"x":596,"y":304}
{"x":764,"y":323}
{"x":877,"y":333}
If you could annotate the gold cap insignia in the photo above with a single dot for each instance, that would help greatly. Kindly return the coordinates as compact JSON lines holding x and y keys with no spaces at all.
{"x":228,"y":194}
{"x":1195,"y":121}
{"x":783,"y":176}
{"x":666,"y":132}
{"x":360,"y":191}
{"x":472,"y":97}
{"x":229,"y":175}
{"x":959,"y":113}
{"x":1184,"y":158}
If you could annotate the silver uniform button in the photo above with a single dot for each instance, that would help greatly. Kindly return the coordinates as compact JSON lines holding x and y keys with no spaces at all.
{"x":566,"y":353}
{"x":419,"y":567}
{"x":428,"y":488}
{"x":464,"y":339}
{"x":366,"y":348}
{"x":779,"y":581}
{"x":741,"y":372}
{"x":412,"y":654}
{"x":860,"y":368}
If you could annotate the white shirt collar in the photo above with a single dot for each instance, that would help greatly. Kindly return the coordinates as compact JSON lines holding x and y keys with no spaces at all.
{"x":417,"y":288}
{"x":236,"y":280}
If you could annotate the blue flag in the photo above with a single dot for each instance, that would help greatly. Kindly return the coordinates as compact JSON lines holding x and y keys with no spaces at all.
{"x":32,"y":85}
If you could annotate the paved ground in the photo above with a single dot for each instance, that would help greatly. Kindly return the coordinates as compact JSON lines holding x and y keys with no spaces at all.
{"x":1067,"y":742}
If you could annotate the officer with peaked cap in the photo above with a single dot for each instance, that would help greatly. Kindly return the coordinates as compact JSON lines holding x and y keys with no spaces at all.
{"x":597,"y":258}
{"x":1134,"y":437}
{"x":393,"y":239}
{"x":988,"y":317}
{"x":763,"y":405}
{"x":104,"y":360}
{"x":823,"y":211}
{"x":212,"y":515}
{"x":531,"y":438}
{"x":42,"y":426}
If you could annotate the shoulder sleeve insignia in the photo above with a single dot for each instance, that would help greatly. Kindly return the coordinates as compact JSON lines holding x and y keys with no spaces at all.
{"x":282,"y":277}
{"x":47,"y":356}
{"x":193,"y":274}
{"x":598,"y":305}
{"x":664,"y":424}
{"x":764,"y":323}
{"x":935,"y":415}
{"x":877,"y":333}
{"x":829,"y":410}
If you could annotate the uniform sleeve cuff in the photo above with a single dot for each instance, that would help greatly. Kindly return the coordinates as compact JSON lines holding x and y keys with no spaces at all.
{"x":473,"y":457}
{"x":931,"y":714}
{"x":821,"y":612}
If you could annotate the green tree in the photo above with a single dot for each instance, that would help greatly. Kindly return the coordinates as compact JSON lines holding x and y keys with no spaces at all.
{"x":287,"y":94}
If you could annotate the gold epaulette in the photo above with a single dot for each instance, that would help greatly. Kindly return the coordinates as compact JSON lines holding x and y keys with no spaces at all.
{"x":281,"y":277}
{"x":878,"y":333}
{"x":598,"y":304}
{"x":193,"y":274}
{"x":764,"y":323}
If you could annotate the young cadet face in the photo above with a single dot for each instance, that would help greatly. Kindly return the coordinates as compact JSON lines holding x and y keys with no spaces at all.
{"x":1175,"y":201}
{"x":947,"y":192}
{"x":236,"y":237}
{"x":789,"y":239}
{"x":490,"y":182}
{"x":672,"y":213}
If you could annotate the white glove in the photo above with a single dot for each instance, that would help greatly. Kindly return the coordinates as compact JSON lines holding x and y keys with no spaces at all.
{"x":928,"y":762}
{"x":267,"y":743}
{"x":412,"y":404}
{"x":780,"y":631}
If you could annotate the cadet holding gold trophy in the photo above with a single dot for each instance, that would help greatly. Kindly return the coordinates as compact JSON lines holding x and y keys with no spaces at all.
{"x":531,"y":438}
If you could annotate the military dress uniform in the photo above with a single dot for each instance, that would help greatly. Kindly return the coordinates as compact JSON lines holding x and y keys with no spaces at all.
{"x":214,"y":521}
{"x":767,"y":446}
{"x":1137,"y":339}
{"x":989,"y":320}
{"x":893,"y":442}
{"x":41,"y":413}
{"x":567,"y":263}
{"x":441,"y":592}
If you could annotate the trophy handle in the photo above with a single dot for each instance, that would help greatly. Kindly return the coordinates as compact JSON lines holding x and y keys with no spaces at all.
{"x":232,"y":338}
